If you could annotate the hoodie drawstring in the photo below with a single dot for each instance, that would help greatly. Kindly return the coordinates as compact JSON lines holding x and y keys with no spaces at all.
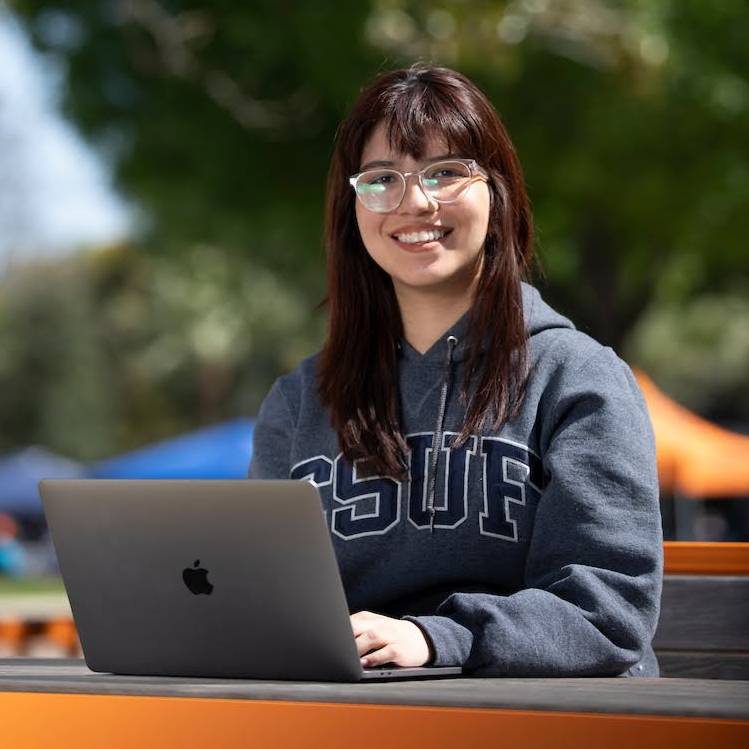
{"x":452,"y":341}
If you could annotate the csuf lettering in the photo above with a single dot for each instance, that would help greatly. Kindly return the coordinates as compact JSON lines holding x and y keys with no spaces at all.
{"x":368,"y":506}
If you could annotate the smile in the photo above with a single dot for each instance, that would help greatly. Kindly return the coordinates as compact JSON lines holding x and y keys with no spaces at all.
{"x":419,"y":237}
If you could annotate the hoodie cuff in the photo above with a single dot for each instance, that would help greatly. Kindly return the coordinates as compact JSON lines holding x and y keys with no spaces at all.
{"x":449,"y":642}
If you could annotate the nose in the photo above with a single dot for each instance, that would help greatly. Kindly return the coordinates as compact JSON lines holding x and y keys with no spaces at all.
{"x":415,"y":200}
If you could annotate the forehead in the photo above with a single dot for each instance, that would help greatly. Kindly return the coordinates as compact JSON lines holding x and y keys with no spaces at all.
{"x":378,"y":148}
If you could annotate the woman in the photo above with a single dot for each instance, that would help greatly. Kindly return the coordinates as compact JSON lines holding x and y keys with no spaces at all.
{"x":487,"y":471}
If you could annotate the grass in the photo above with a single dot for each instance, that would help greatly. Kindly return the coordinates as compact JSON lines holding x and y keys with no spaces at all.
{"x":25,"y":586}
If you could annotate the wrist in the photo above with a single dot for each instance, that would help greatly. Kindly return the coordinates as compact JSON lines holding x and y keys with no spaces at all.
{"x":427,"y":640}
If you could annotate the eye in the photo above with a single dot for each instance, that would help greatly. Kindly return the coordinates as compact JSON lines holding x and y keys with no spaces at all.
{"x":378,"y":178}
{"x":447,"y":171}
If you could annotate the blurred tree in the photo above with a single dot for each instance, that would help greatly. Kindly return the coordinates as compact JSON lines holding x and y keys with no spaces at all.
{"x":630,"y":118}
{"x":111,"y":349}
{"x":701,"y":351}
{"x":53,"y":376}
{"x":632,"y":122}
{"x":221,"y":115}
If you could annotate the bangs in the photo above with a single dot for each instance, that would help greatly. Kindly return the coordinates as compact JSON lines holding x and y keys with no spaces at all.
{"x":415,"y":114}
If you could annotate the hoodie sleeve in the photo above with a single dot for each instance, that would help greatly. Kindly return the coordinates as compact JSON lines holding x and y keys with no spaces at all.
{"x":272,"y":435}
{"x":594,"y":568}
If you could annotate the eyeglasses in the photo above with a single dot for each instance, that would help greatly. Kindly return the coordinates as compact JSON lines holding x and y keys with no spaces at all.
{"x":382,"y":190}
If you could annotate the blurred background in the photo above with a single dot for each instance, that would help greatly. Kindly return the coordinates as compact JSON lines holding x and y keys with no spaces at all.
{"x":162,"y":171}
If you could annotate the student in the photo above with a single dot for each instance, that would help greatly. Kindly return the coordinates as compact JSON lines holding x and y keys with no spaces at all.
{"x":487,"y":471}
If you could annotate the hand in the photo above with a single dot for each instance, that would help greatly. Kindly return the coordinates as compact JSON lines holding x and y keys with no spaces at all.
{"x":385,"y":640}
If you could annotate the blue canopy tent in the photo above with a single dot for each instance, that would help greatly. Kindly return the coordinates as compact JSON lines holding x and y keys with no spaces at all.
{"x":22,"y":470}
{"x":222,"y":451}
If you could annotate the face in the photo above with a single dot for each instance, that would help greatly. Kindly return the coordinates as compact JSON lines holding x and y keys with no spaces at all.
{"x":449,"y":264}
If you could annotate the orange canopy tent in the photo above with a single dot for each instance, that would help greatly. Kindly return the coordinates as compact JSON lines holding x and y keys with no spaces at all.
{"x":695,"y":457}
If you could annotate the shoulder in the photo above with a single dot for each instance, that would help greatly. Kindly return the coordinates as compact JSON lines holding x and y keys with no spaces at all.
{"x":576,"y":364}
{"x":568,"y":365}
{"x":562,"y":349}
{"x":294,"y":387}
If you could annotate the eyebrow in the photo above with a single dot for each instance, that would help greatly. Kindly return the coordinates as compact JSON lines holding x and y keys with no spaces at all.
{"x":371,"y":164}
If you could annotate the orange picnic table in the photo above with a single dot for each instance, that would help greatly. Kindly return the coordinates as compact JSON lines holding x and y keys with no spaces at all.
{"x":59,"y":703}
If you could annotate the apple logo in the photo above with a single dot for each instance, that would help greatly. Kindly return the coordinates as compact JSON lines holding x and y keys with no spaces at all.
{"x":197,"y":579}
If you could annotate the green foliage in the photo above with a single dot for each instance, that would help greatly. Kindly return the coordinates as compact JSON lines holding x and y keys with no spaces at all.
{"x":115,"y":348}
{"x":222,"y":114}
{"x":700,"y":351}
{"x":50,"y":371}
{"x":630,"y":118}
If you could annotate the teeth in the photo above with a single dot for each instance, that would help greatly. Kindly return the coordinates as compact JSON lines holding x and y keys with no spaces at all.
{"x":420,"y":236}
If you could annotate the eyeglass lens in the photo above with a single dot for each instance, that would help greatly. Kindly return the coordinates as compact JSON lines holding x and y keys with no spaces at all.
{"x":382,"y":190}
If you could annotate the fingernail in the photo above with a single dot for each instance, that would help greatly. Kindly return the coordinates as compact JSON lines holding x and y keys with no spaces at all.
{"x":364,"y":662}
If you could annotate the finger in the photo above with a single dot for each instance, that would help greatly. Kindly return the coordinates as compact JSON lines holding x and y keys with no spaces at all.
{"x":369,"y":640}
{"x":378,"y":657}
{"x":363,"y":615}
{"x":362,"y":620}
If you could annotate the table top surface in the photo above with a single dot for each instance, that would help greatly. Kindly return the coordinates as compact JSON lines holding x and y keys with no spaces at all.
{"x":633,"y":696}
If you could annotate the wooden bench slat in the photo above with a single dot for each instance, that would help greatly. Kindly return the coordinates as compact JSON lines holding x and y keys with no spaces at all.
{"x":683,"y":664}
{"x":704,"y":614}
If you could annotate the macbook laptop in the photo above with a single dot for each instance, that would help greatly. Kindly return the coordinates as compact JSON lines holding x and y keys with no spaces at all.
{"x":206,"y":579}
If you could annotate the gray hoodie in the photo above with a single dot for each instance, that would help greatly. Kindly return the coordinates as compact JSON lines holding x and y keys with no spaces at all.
{"x":532,"y":551}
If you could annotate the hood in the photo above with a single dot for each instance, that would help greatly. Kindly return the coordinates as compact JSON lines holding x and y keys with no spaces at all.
{"x":538,"y":315}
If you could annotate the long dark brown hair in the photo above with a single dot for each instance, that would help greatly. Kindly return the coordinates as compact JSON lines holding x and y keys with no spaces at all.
{"x":357,"y":374}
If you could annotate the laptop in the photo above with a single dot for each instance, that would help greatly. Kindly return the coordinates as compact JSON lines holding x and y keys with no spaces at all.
{"x":226,"y":579}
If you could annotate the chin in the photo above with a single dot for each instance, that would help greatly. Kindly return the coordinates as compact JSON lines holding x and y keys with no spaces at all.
{"x":424,"y":282}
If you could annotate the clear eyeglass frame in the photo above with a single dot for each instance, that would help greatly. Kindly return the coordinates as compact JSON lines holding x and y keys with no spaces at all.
{"x":473,"y":166}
